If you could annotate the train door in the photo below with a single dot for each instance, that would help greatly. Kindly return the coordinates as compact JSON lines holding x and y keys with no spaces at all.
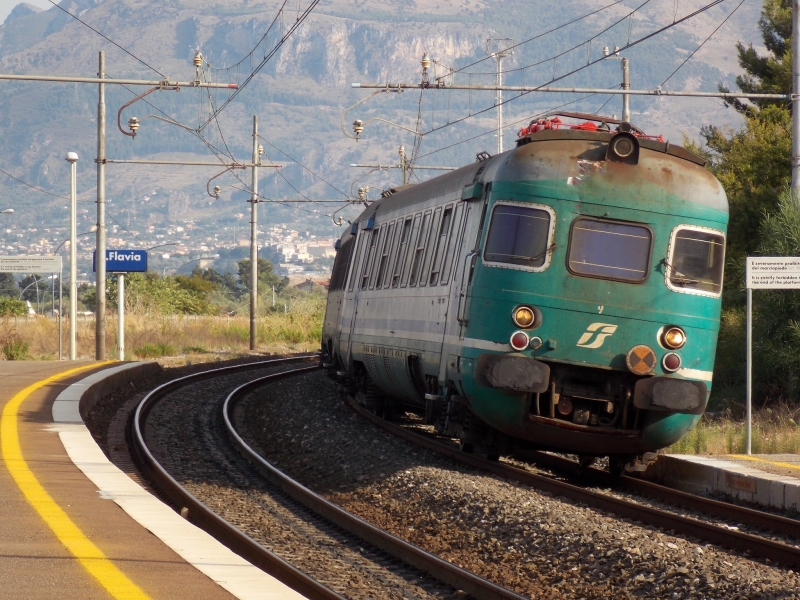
{"x":349,"y":305}
{"x":465,"y":254}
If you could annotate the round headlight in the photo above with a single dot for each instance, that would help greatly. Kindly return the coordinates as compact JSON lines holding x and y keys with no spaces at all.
{"x":523,"y":316}
{"x":519,"y":340}
{"x":673,"y":338}
{"x":623,"y":147}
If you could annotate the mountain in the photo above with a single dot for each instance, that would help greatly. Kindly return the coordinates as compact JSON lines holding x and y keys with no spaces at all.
{"x":300,"y":94}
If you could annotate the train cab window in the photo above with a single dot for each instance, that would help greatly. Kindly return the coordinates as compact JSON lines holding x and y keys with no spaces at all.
{"x":368,"y":258}
{"x":387,"y":247}
{"x":519,"y":234}
{"x":340,"y":264}
{"x":419,"y":249}
{"x":441,"y":243}
{"x":401,"y":252}
{"x":452,"y":241}
{"x":609,"y":249}
{"x":696,"y":260}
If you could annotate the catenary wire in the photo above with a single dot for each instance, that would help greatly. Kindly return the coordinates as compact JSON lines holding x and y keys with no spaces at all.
{"x":30,"y":185}
{"x":581,"y":68}
{"x":725,"y":20}
{"x":108,"y":39}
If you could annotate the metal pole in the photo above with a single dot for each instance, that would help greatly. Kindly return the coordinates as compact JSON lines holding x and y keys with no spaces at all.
{"x":100,"y":256}
{"x":796,"y":100}
{"x":499,"y":102}
{"x":626,"y":85}
{"x":121,"y":316}
{"x":404,"y":164}
{"x":73,"y":265}
{"x":148,"y":82}
{"x":749,"y":409}
{"x":253,"y":241}
{"x":60,"y":314}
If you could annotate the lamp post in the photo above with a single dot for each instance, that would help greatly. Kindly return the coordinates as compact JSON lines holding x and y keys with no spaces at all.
{"x":72,"y":159}
{"x":6,"y":211}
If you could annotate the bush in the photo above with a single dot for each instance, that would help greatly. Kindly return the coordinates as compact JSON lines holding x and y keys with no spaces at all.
{"x":15,"y":349}
{"x":155,"y":350}
{"x":11,"y":307}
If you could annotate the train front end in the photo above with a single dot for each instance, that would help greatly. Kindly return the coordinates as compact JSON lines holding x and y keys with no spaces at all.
{"x":600,"y":269}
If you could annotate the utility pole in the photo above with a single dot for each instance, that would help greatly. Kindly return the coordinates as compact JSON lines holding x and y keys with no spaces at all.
{"x":72,"y":158}
{"x":626,"y":85}
{"x":253,"y":239}
{"x":504,"y":50}
{"x":795,"y":100}
{"x":100,"y":246}
{"x":404,"y":164}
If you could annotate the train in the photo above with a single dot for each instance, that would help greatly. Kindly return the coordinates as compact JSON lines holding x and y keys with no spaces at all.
{"x":563,"y":295}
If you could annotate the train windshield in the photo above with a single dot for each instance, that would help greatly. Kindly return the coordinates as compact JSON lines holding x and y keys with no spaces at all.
{"x":696,"y":260}
{"x":518,"y":235}
{"x":609,"y":250}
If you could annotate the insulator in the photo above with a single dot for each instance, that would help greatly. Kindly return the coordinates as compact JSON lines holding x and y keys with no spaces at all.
{"x":198,"y":59}
{"x":260,"y":150}
{"x":426,"y":61}
{"x":358,"y":126}
{"x":217,"y":190}
{"x":133,"y":124}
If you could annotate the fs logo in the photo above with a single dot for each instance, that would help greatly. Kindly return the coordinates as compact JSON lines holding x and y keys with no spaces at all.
{"x":595,"y":335}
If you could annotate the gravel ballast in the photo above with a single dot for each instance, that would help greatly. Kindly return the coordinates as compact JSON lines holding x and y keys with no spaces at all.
{"x":522,"y":539}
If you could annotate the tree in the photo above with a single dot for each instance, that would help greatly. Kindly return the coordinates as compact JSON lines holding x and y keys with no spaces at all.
{"x":754,"y":164}
{"x":266,"y":277}
{"x":225,"y":281}
{"x":8,"y":287}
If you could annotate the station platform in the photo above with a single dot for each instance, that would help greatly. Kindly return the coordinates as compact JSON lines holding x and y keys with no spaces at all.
{"x":75,"y":526}
{"x":765,"y":480}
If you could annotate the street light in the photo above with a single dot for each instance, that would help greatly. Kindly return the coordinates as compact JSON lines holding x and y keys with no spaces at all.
{"x":7,"y":211}
{"x":72,"y":159}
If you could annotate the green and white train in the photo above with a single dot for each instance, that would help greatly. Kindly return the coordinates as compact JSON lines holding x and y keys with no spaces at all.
{"x":563,"y":295}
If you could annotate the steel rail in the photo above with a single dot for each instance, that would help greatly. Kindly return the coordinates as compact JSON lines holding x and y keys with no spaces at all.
{"x":734,"y":540}
{"x":199,"y":513}
{"x":725,"y":510}
{"x":442,"y":570}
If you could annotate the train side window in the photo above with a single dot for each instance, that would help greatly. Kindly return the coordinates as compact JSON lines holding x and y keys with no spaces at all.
{"x":405,"y":233}
{"x":368,"y":257}
{"x":340,"y":265}
{"x":377,"y":255}
{"x":520,"y":234}
{"x":452,"y":243}
{"x":387,"y":247}
{"x":410,"y":252}
{"x":429,"y":247}
{"x":609,"y":249}
{"x":695,"y":260}
{"x":419,"y":249}
{"x":441,"y":243}
{"x":393,"y":254}
{"x":362,"y":241}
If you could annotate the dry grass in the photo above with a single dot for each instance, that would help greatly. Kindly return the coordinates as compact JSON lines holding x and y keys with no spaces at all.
{"x":191,"y":337}
{"x":775,"y":431}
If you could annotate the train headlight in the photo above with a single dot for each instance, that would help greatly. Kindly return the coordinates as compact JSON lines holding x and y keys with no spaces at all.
{"x":523,"y":317}
{"x":673,"y":338}
{"x":519,"y":340}
{"x":671,"y":362}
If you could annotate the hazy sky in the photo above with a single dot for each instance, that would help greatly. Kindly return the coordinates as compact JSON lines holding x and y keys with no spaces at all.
{"x":7,"y":5}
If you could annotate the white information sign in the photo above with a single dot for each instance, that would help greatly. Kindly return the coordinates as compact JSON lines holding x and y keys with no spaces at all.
{"x":780,"y":272}
{"x":30,"y":264}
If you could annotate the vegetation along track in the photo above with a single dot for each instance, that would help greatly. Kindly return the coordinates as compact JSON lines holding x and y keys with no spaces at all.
{"x":724,"y":533}
{"x":181,"y":434}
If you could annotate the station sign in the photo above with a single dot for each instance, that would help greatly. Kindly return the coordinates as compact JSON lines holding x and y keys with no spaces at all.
{"x":30,"y":264}
{"x":123,"y":261}
{"x":772,"y":273}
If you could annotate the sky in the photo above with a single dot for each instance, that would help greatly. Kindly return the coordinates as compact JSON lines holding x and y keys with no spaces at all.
{"x":7,"y":5}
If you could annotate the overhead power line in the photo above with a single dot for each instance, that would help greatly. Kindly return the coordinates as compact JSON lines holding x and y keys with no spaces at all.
{"x":30,"y":185}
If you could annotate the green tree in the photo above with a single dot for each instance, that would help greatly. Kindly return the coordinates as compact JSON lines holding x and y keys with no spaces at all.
{"x":754,"y":164}
{"x":225,"y":281}
{"x":266,"y":276}
{"x":8,"y":287}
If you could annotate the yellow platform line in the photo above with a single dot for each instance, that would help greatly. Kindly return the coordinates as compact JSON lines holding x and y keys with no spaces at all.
{"x":89,"y":555}
{"x":764,"y":460}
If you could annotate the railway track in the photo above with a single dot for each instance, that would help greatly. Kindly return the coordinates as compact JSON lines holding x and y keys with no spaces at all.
{"x":316,"y":547}
{"x":727,"y":537}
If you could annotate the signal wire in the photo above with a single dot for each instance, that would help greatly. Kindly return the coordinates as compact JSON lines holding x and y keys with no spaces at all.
{"x":108,"y":39}
{"x":266,"y":141}
{"x":30,"y":185}
{"x":581,"y":68}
